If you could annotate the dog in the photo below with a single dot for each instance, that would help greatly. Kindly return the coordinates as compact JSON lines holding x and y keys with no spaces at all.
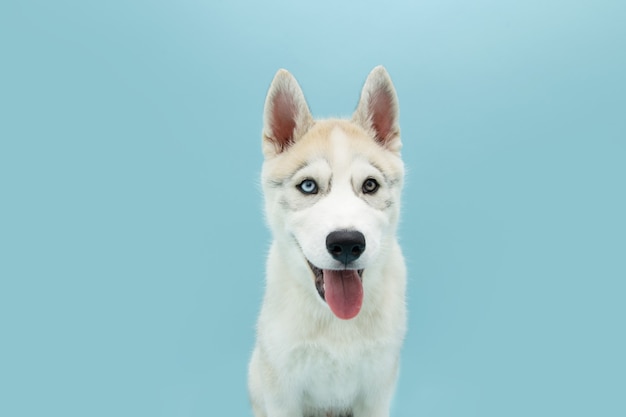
{"x":333,"y":316}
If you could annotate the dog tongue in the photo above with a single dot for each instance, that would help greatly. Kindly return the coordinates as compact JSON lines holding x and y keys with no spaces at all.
{"x":343,"y":292}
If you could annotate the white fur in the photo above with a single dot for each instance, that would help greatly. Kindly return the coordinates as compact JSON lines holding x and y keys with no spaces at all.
{"x":307,"y":362}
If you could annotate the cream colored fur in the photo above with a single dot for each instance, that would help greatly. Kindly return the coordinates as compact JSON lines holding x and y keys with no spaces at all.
{"x":307,"y":362}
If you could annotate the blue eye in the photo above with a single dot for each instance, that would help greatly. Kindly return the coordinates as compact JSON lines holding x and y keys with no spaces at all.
{"x":308,"y":187}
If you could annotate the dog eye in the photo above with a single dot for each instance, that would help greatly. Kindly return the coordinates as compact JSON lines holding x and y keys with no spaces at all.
{"x":308,"y":187}
{"x":370,"y":186}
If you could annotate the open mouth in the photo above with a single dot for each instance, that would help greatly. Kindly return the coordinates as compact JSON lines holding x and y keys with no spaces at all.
{"x":341,"y":289}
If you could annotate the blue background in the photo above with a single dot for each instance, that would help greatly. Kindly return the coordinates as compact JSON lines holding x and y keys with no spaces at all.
{"x":132,"y":241}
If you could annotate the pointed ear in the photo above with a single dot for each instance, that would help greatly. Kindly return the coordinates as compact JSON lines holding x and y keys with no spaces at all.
{"x":377,"y":111}
{"x":286,"y":115}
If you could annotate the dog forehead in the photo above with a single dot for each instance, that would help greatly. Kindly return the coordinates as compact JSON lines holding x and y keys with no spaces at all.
{"x":341,"y":149}
{"x":347,"y":144}
{"x":340,"y":143}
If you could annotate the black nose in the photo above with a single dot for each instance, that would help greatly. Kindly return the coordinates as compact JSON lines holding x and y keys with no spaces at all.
{"x":345,"y":245}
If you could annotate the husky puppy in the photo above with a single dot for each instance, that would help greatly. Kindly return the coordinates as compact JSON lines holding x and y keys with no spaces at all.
{"x":333,"y":316}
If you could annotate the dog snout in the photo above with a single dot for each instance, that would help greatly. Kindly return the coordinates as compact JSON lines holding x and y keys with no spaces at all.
{"x":345,"y":245}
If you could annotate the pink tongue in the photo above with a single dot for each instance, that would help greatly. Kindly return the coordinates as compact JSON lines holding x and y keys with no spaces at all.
{"x":343,"y":292}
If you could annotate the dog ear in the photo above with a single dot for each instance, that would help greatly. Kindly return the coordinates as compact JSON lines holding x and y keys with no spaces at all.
{"x":286,"y":115}
{"x":377,"y":111}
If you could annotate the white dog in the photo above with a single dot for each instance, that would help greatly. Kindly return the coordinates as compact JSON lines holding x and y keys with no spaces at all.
{"x":333,"y":316}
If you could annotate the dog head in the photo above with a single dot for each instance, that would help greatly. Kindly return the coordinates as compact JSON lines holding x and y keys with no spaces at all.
{"x":332,"y":187}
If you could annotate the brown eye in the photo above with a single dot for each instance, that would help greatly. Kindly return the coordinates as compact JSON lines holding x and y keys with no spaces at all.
{"x":370,"y":186}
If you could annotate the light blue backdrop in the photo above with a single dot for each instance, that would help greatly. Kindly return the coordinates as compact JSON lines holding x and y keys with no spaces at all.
{"x":132,"y":242}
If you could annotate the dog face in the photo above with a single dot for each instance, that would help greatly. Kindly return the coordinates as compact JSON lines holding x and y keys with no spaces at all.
{"x":332,"y":187}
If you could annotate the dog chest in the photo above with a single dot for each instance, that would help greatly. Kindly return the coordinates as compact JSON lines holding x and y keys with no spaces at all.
{"x":335,"y":376}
